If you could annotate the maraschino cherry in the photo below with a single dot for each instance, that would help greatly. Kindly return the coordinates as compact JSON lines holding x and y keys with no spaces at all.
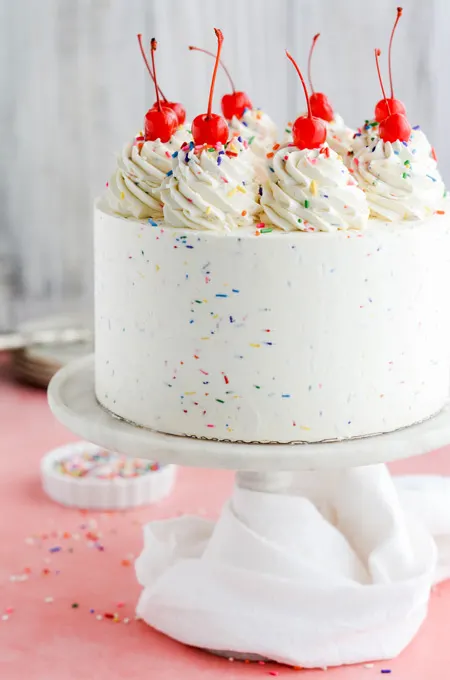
{"x":233,"y":104}
{"x":320,"y":104}
{"x":395,"y":105}
{"x":179,"y":109}
{"x":210,"y":128}
{"x":395,"y":127}
{"x":309,"y":132}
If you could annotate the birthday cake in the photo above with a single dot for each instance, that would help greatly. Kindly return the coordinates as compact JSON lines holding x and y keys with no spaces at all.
{"x":307,"y":306}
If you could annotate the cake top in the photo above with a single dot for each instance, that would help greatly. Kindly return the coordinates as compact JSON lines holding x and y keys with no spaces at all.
{"x":206,"y":175}
{"x":399,"y":182}
{"x":310,"y":188}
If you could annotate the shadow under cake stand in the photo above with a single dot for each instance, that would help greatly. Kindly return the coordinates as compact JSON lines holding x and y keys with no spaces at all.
{"x":259,"y":467}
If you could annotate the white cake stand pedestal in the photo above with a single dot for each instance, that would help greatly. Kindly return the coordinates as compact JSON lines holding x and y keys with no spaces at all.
{"x":72,"y":399}
{"x":267,"y":468}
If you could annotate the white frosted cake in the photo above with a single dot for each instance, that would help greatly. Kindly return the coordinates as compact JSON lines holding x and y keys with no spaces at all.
{"x":265,"y":334}
{"x":281,"y":337}
{"x":311,"y":308}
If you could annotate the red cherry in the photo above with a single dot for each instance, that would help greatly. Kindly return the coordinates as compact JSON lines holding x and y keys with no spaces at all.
{"x":396,"y":126}
{"x":210,"y":128}
{"x":179,"y":110}
{"x":395,"y":105}
{"x":321,"y":107}
{"x":175,"y":106}
{"x":309,"y":132}
{"x":320,"y":104}
{"x":160,"y":124}
{"x":382,"y":110}
{"x":233,"y":104}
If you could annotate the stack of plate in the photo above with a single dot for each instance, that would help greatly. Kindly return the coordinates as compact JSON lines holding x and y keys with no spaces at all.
{"x":36,"y":365}
{"x":39,"y":349}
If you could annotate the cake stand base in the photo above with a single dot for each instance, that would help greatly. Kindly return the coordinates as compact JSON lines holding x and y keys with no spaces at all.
{"x":72,"y":399}
{"x":301,"y":517}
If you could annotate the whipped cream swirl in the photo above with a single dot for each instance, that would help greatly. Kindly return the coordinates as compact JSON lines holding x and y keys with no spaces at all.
{"x":259,"y":130}
{"x":340,"y":137}
{"x":368,"y":136}
{"x":135,"y":188}
{"x":400,"y":179}
{"x":312,"y":190}
{"x":211,"y":187}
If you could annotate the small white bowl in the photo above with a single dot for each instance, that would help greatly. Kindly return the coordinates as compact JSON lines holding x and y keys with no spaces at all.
{"x":92,"y":492}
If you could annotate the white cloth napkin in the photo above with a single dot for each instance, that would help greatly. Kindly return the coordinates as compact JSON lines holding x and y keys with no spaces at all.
{"x":328,"y":568}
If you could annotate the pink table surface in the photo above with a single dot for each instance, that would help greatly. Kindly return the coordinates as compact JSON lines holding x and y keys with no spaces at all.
{"x":54,"y":640}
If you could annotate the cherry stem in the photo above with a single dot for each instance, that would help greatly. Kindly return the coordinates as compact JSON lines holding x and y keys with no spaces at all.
{"x":211,"y":54}
{"x":219,"y":36}
{"x":311,"y":50}
{"x":399,"y":14}
{"x":291,"y":58}
{"x":153,"y":46}
{"x":144,"y":56}
{"x":377,"y":54}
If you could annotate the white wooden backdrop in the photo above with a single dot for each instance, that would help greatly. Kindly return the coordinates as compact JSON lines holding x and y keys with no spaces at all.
{"x":73,"y":89}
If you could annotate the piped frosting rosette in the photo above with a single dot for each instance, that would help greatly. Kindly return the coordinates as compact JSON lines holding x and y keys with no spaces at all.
{"x":259,"y":130}
{"x":135,"y":188}
{"x":312,"y":190}
{"x":400,"y":179}
{"x":211,"y":187}
{"x":366,"y":135}
{"x":340,"y":137}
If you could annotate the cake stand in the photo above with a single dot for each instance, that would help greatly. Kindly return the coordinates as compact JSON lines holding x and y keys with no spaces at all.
{"x":266,"y":467}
